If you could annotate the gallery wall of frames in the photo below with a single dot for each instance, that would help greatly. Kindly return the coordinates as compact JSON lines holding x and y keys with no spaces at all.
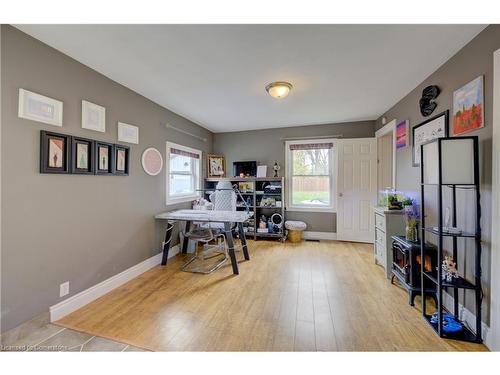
{"x":66,"y":154}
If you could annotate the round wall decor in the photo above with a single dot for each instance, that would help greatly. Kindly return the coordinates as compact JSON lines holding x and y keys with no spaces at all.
{"x":152,"y":162}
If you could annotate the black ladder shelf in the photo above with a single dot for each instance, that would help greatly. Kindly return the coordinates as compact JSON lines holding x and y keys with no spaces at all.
{"x":435,"y":276}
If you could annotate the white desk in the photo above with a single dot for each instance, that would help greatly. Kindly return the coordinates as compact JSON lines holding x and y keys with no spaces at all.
{"x":225,"y":217}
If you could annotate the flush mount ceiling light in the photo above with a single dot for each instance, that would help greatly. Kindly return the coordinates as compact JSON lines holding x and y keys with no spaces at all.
{"x":279,"y":90}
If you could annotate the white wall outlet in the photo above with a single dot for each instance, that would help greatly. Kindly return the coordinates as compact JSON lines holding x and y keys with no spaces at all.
{"x":64,"y":289}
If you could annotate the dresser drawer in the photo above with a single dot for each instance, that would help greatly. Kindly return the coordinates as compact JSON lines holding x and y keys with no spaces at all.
{"x":380,"y":255}
{"x":380,"y":222}
{"x":380,"y":237}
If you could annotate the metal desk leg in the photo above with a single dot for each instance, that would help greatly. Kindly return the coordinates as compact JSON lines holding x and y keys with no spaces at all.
{"x":243,"y":240}
{"x":166,"y":243}
{"x":230,"y":244}
{"x":186,"y":240}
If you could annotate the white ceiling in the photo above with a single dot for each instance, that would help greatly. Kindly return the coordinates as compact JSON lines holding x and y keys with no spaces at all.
{"x":215,"y":75}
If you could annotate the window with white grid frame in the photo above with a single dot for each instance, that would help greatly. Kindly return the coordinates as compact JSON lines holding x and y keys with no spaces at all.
{"x":183,"y":173}
{"x":310,"y":167}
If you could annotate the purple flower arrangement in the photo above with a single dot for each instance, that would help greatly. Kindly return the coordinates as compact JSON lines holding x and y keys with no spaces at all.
{"x":412,"y":215}
{"x":411,"y":209}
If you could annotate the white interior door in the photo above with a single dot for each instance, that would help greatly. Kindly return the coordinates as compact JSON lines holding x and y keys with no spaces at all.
{"x":356,"y":189}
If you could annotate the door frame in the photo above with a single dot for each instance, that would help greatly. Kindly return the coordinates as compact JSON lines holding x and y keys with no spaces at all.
{"x":495,"y":190}
{"x":1,"y":312}
{"x":386,"y":129}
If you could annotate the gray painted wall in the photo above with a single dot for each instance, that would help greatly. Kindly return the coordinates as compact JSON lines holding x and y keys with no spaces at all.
{"x":84,"y":229}
{"x":266,"y":146}
{"x":474,"y":59}
{"x":1,"y":320}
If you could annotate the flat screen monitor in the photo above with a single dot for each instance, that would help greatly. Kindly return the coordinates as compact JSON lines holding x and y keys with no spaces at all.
{"x":248,"y":168}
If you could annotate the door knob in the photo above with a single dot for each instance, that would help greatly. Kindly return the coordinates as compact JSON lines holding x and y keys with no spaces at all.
{"x":341,"y":194}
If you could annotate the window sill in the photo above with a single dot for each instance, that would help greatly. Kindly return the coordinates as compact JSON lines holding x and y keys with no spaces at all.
{"x":172,"y":201}
{"x":311,"y":209}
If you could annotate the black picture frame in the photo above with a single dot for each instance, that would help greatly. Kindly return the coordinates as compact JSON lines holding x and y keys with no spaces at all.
{"x":118,"y":170}
{"x":75,"y":142}
{"x":48,"y":162}
{"x":446,"y":114}
{"x":99,"y":170}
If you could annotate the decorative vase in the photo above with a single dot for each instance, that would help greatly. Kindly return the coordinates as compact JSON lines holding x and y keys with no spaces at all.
{"x":411,"y":232}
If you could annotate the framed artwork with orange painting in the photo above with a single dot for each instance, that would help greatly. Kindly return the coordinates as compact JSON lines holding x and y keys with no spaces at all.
{"x":468,"y":107}
{"x":55,"y":154}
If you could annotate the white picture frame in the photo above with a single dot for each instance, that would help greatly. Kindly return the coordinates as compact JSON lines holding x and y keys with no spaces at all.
{"x":128,"y":133}
{"x":433,"y":128}
{"x":36,"y":107}
{"x":93,"y":117}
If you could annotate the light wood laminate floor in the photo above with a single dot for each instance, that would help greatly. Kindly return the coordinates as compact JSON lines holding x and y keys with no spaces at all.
{"x":312,"y":296}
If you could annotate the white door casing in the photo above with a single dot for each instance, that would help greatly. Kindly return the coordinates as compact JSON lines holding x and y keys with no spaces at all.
{"x":384,"y":162}
{"x":494,"y":342}
{"x":389,"y":128}
{"x":356,"y":189}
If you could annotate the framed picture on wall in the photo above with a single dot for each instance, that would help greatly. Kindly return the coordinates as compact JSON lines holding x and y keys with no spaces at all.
{"x":468,"y":107}
{"x":121,"y":160}
{"x":216,"y":166}
{"x":402,"y":134}
{"x":55,"y":152}
{"x":93,"y":117}
{"x":82,"y":156}
{"x":36,"y":107}
{"x":433,"y":128}
{"x":104,"y":158}
{"x":128,"y":133}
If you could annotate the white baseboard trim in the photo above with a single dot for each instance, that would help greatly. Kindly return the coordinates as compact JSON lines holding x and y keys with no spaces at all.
{"x":467,"y":316}
{"x":310,"y":235}
{"x":83,"y":298}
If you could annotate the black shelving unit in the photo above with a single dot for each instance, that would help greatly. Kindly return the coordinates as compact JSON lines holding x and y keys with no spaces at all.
{"x":435,"y":276}
{"x":255,"y":196}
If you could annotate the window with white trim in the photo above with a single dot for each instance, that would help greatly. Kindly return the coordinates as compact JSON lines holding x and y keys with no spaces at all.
{"x":183,"y":173}
{"x":310,"y":175}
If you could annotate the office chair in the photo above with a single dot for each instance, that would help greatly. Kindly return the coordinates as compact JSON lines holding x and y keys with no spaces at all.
{"x":205,"y":235}
{"x":224,"y":199}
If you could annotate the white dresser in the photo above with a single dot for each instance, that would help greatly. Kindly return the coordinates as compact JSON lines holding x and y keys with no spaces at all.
{"x":388,"y":223}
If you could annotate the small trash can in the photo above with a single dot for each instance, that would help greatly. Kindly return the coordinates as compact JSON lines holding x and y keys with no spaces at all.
{"x":295,"y":229}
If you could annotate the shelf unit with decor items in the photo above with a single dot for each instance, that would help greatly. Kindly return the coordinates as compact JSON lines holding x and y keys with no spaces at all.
{"x":452,"y":163}
{"x":256,"y":196}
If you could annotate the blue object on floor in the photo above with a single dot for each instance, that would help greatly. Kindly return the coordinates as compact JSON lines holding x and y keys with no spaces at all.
{"x":450,"y":324}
